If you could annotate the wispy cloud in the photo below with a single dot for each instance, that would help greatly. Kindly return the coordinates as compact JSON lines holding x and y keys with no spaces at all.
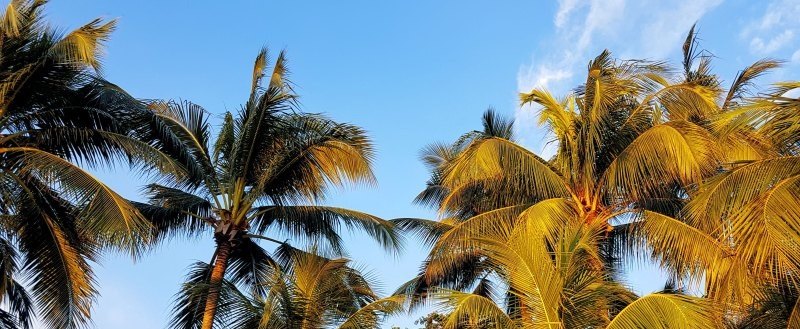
{"x":760,"y":46}
{"x":565,"y":8}
{"x":775,"y":29}
{"x":634,"y":29}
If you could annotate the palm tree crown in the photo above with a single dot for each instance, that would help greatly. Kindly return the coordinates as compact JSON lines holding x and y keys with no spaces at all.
{"x":307,"y":291}
{"x":56,"y":115}
{"x":648,"y":163}
{"x":265,"y":163}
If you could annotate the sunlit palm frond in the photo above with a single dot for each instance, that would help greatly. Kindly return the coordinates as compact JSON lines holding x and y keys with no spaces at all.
{"x":369,"y":316}
{"x":312,"y":153}
{"x":463,"y":241}
{"x":744,"y":81}
{"x":522,"y":170}
{"x":755,"y":205}
{"x":104,"y":212}
{"x":472,"y":311}
{"x":325,"y":222}
{"x":679,"y":152}
{"x":683,"y":248}
{"x":773,"y":116}
{"x":666,"y":311}
{"x":83,"y":46}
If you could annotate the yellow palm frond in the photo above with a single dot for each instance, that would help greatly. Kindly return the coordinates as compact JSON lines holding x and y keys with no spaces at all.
{"x":672,"y":152}
{"x":755,"y":206}
{"x":465,"y":239}
{"x":467,"y":310}
{"x":555,"y":113}
{"x":83,"y":46}
{"x":523,"y":171}
{"x":680,"y":246}
{"x":532,"y":276}
{"x":743,"y":146}
{"x":666,"y":311}
{"x":368,"y":316}
{"x":259,"y":66}
{"x":679,"y":102}
{"x":11,"y":19}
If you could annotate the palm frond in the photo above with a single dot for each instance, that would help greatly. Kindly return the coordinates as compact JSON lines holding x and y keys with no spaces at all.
{"x":666,"y":311}
{"x":312,"y":153}
{"x":495,"y":157}
{"x":674,"y":152}
{"x":105,"y":212}
{"x":369,"y":316}
{"x":249,"y":265}
{"x":740,"y":88}
{"x":429,"y":231}
{"x":315,"y":222}
{"x":472,"y":311}
{"x":83,"y":46}
{"x":56,"y":257}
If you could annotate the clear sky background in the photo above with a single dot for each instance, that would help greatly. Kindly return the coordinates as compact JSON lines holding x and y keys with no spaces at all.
{"x":410,"y":72}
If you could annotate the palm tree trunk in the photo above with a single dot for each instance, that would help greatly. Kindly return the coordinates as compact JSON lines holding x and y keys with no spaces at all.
{"x":217,"y":274}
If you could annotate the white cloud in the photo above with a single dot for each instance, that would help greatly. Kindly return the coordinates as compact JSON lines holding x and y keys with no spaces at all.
{"x":663,"y":29}
{"x":759,"y":46}
{"x":775,"y":29}
{"x":565,"y":7}
{"x":603,"y":15}
{"x":796,"y":56}
{"x":633,"y":29}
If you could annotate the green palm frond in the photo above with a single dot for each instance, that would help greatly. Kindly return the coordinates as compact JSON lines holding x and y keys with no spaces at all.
{"x":249,"y":265}
{"x":314,"y":152}
{"x":188,"y":305}
{"x":19,"y":305}
{"x":56,"y":256}
{"x":104,"y":212}
{"x":324,"y":222}
{"x":256,"y":123}
{"x":429,"y":231}
{"x":495,"y":125}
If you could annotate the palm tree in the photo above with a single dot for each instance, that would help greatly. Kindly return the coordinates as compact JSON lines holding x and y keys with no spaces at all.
{"x":607,"y":133}
{"x":753,"y":208}
{"x":264,"y":165}
{"x":637,"y":150}
{"x":307,"y":291}
{"x":550,"y":286}
{"x":58,"y":116}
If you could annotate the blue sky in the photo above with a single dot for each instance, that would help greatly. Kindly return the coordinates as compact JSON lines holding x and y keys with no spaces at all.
{"x":410,"y":72}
